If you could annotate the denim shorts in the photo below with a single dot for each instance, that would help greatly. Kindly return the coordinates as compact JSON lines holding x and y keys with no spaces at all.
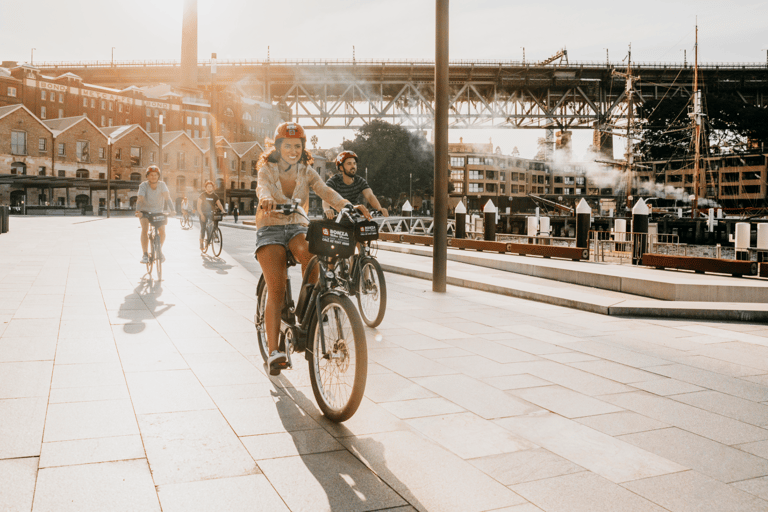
{"x":279,"y":235}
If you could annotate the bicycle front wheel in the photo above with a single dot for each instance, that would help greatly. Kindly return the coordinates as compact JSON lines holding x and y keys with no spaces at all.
{"x":371,"y":292}
{"x":338,"y":369}
{"x":150,"y":254}
{"x":258,"y":319}
{"x":157,"y":255}
{"x":217,"y":241}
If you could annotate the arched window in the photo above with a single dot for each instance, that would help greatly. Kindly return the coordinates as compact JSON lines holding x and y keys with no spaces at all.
{"x":18,"y":168}
{"x":228,"y":112}
{"x":135,"y":176}
{"x":253,"y":185}
{"x":81,"y":173}
{"x":247,"y":116}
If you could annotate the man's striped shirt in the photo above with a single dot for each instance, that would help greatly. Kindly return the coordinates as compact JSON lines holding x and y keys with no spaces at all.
{"x":349,"y":192}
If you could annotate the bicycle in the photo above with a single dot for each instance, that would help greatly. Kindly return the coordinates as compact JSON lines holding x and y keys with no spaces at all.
{"x":362,"y":276}
{"x":185,"y":220}
{"x":323,"y":323}
{"x":213,"y":236}
{"x":154,"y":247}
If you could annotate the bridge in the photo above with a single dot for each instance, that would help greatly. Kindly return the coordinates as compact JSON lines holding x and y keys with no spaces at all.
{"x":344,"y":94}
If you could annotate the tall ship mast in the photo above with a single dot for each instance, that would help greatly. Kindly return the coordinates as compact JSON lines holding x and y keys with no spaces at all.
{"x":696,"y":116}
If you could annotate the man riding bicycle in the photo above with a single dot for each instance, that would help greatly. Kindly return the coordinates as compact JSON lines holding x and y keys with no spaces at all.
{"x":205,"y":204}
{"x":152,"y":196}
{"x":349,"y":185}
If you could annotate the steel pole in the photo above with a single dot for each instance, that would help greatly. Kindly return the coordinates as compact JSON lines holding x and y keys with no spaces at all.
{"x":213,"y":169}
{"x":109,"y":174}
{"x":440,"y":252}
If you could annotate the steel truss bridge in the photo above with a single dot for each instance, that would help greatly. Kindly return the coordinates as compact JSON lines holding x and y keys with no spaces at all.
{"x":499,"y":95}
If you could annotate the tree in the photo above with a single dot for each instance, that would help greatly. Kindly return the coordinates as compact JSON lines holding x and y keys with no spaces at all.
{"x":391,"y":154}
{"x":729,"y":125}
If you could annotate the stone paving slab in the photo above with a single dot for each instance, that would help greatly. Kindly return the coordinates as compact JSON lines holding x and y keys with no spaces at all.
{"x":122,"y":393}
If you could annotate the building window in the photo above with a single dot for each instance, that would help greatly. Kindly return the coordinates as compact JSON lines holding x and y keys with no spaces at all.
{"x":81,"y":173}
{"x":102,"y":175}
{"x":62,"y":174}
{"x":254,"y":170}
{"x":457,"y":175}
{"x":42,"y":112}
{"x":83,"y":151}
{"x":151,"y":157}
{"x":242,"y":166}
{"x":103,"y":121}
{"x":149,"y":126}
{"x":197,"y":161}
{"x":41,"y":171}
{"x":62,"y":149}
{"x":42,"y":145}
{"x":475,"y":175}
{"x":165,"y":158}
{"x":197,"y":121}
{"x":181,"y":184}
{"x":110,"y":106}
{"x":103,"y":105}
{"x":457,"y":161}
{"x":189,"y":119}
{"x":61,"y":113}
{"x":227,"y":112}
{"x":119,"y":107}
{"x":18,"y":143}
{"x":12,"y":92}
{"x":102,"y":153}
{"x":118,"y":154}
{"x":204,"y":122}
{"x":135,"y":176}
{"x":61,"y":98}
{"x":475,"y":187}
{"x":182,"y":163}
{"x":157,"y":113}
{"x":42,"y":94}
{"x":458,"y":187}
{"x":148,"y":113}
{"x":135,"y":156}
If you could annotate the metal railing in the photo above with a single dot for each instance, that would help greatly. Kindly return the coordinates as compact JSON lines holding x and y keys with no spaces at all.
{"x":628,"y":247}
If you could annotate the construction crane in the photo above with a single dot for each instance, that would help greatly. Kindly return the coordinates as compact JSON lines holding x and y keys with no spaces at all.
{"x":552,"y":204}
{"x":562,"y":54}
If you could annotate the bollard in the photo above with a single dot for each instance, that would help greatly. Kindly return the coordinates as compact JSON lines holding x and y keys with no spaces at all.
{"x":620,"y":234}
{"x":544,"y":230}
{"x":743,"y":233}
{"x":532,"y":228}
{"x":762,"y":242}
{"x":489,"y":218}
{"x":583,"y":214}
{"x":461,"y":221}
{"x":640,"y":231}
{"x":5,"y":216}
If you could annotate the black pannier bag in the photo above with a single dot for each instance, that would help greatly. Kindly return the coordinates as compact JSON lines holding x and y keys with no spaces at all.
{"x":366,"y":231}
{"x":157,"y":219}
{"x":218,"y":217}
{"x":327,"y":238}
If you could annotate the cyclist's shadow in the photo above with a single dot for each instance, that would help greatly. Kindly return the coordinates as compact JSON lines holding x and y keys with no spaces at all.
{"x":342,"y":492}
{"x":142,"y":304}
{"x":216,"y":263}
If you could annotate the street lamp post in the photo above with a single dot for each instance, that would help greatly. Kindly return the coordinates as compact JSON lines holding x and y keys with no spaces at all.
{"x":113,"y":56}
{"x":109,"y":174}
{"x":32,"y":57}
{"x":160,"y":142}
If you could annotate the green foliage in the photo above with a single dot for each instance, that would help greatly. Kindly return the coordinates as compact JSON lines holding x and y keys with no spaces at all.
{"x":391,"y":154}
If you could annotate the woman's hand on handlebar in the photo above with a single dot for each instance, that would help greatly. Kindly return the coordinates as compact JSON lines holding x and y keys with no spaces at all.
{"x":268,"y":205}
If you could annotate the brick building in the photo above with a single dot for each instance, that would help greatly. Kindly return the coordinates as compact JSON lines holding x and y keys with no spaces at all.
{"x":182,"y":165}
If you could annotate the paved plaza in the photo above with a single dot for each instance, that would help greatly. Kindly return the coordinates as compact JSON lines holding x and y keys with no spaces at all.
{"x":118,"y":393}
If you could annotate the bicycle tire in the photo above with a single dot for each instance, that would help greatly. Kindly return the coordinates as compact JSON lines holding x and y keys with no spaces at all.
{"x":150,"y":254}
{"x":338,"y":377}
{"x":206,"y":240}
{"x":157,"y":254}
{"x":217,"y":241}
{"x":258,"y":319}
{"x":371,"y":291}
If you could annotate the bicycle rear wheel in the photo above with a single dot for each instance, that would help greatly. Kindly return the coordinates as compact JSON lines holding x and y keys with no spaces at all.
{"x":258,"y":319}
{"x":157,"y":255}
{"x":338,"y":373}
{"x":217,"y":241}
{"x":371,"y":291}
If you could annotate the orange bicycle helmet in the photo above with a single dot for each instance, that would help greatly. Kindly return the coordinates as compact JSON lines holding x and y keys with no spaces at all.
{"x":343,"y":156}
{"x":290,"y":130}
{"x":152,"y":168}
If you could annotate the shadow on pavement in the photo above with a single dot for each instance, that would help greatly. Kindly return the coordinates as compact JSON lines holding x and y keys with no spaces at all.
{"x":341,"y":489}
{"x":142,"y":304}
{"x":220,"y":265}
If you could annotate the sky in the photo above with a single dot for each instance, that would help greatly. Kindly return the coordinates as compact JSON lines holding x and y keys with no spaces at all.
{"x":658,"y":31}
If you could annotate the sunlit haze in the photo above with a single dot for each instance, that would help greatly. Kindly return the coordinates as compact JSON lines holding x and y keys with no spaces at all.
{"x":659,"y":31}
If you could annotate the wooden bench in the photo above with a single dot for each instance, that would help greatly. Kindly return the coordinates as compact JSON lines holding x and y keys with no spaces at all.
{"x":736,"y":268}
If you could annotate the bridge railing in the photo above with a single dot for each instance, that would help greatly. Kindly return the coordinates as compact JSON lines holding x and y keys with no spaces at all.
{"x":401,"y":62}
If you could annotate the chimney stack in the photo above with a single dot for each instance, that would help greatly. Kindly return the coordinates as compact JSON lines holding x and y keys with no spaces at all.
{"x":189,"y":45}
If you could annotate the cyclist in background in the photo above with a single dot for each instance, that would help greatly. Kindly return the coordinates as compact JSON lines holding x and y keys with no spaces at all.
{"x":205,"y":204}
{"x":349,"y":185}
{"x":185,"y":208}
{"x":152,"y":196}
{"x":285,"y":174}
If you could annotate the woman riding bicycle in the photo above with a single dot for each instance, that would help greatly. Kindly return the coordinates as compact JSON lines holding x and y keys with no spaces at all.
{"x":206,"y":203}
{"x":285,"y":175}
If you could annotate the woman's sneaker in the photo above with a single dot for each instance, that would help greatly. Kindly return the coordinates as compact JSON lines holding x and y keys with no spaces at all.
{"x":276,"y":362}
{"x":145,"y":259}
